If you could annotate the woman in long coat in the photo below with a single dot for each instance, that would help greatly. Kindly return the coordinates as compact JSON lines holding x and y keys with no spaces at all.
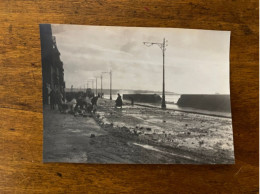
{"x":119,"y":101}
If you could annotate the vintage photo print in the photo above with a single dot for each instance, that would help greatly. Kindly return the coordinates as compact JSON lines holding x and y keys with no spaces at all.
{"x":136,"y":95}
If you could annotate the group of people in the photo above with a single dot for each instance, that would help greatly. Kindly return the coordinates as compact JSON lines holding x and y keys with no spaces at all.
{"x":82,"y":104}
{"x":85,"y":103}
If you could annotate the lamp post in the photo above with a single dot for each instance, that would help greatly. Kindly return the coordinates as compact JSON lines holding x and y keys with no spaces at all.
{"x":92,"y":83}
{"x":163,"y":48}
{"x":110,"y":73}
{"x":96,"y":86}
{"x":110,"y":84}
{"x":101,"y":85}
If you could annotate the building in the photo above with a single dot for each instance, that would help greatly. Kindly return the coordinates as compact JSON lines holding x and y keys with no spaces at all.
{"x":52,"y":66}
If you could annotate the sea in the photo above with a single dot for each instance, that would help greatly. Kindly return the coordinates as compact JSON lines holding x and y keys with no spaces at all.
{"x":172,"y":98}
{"x":171,"y":103}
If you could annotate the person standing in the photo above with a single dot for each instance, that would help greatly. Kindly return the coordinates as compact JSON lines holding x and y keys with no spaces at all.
{"x":79,"y":103}
{"x":94,"y":103}
{"x":45,"y":94}
{"x":52,"y":99}
{"x":59,"y":100}
{"x":119,"y":102}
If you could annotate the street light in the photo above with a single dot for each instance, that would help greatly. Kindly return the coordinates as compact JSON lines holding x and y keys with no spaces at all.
{"x":110,"y":73}
{"x":162,"y":47}
{"x":96,"y":86}
{"x":92,"y":81}
{"x":101,"y":86}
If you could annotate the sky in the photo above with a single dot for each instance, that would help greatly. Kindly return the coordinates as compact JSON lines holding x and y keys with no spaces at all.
{"x":196,"y":61}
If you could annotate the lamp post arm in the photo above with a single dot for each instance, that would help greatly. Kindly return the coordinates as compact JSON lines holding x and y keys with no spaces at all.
{"x":162,"y":46}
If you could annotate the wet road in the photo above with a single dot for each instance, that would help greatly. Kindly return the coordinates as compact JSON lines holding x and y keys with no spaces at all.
{"x":207,"y":137}
{"x":80,"y":140}
{"x":130,"y":135}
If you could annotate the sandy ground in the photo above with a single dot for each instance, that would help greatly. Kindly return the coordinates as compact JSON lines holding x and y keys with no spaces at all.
{"x":137,"y":135}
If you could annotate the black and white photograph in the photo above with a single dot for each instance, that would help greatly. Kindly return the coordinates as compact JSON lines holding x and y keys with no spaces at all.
{"x":136,"y":95}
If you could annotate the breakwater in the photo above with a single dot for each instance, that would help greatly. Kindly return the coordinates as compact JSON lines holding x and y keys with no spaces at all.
{"x":147,"y":98}
{"x":211,"y":102}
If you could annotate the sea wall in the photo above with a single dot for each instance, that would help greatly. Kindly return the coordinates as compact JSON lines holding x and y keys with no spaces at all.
{"x":148,"y":98}
{"x":214,"y":102}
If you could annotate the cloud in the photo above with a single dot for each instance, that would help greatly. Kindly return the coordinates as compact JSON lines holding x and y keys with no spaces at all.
{"x":196,"y":61}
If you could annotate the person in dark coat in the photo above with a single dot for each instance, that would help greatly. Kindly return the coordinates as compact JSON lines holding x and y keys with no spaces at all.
{"x":52,"y":99}
{"x":119,"y":102}
{"x":80,"y":103}
{"x":45,"y":94}
{"x":94,"y":103}
{"x":59,"y":100}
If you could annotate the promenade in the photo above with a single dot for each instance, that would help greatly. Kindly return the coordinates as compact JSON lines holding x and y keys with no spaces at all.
{"x":136,"y":134}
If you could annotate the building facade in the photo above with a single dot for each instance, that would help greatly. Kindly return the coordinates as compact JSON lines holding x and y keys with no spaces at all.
{"x":52,"y":66}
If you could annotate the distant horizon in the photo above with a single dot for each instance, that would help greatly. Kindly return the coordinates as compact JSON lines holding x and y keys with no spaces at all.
{"x":174,"y":93}
{"x":196,"y":61}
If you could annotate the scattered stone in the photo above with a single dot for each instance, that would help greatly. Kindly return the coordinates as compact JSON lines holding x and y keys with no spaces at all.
{"x":148,"y":129}
{"x":188,"y":133}
{"x":125,"y":128}
{"x":59,"y":174}
{"x":12,"y":129}
{"x":92,"y":135}
{"x":186,"y":125}
{"x":164,"y":121}
{"x":201,"y":142}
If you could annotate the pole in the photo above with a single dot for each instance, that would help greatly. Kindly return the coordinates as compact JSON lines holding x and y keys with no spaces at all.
{"x":101,"y":86}
{"x":163,"y":92}
{"x":163,"y":48}
{"x":96,"y":86}
{"x":110,"y":84}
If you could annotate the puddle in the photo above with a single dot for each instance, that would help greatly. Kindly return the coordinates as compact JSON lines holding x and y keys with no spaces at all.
{"x":74,"y":130}
{"x":148,"y":147}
